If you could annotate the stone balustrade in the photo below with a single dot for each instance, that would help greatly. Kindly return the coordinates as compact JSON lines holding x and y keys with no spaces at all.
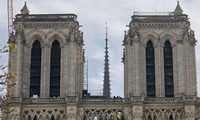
{"x":104,"y":100}
{"x":44,"y":100}
{"x":160,"y":18}
{"x":164,"y":99}
{"x":100,"y":100}
{"x":46,"y":17}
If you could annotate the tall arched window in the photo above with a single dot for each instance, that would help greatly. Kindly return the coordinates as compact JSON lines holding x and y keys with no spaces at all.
{"x":170,"y":117}
{"x":150,"y":70}
{"x":55,"y":70}
{"x":168,"y":70}
{"x":35,"y":73}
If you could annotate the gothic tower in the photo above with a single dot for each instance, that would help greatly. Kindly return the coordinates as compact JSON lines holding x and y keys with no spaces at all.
{"x":106,"y":81}
{"x":49,"y":56}
{"x":48,"y":60}
{"x":160,"y":56}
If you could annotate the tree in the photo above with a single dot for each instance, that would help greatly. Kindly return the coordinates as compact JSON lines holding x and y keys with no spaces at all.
{"x":6,"y":74}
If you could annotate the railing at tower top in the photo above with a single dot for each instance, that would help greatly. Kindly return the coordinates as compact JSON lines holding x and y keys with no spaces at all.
{"x":152,"y":13}
{"x":158,"y":17}
{"x":46,"y":17}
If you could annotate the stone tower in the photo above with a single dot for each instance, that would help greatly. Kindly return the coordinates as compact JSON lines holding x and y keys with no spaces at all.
{"x":49,"y":56}
{"x":160,"y":56}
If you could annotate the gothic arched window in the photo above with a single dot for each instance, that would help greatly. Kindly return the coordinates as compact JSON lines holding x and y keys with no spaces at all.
{"x":52,"y":117}
{"x":55,"y":69}
{"x":150,"y":70}
{"x":35,"y":72}
{"x":170,"y":117}
{"x":168,"y":70}
{"x":149,"y":117}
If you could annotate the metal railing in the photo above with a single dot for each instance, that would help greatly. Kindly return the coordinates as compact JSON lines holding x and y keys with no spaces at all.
{"x":46,"y":17}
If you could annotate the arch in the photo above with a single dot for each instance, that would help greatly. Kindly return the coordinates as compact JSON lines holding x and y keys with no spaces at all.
{"x":152,"y":37}
{"x":150,"y":70}
{"x":55,"y":66}
{"x":155,"y":117}
{"x":52,"y":117}
{"x":35,"y":72}
{"x":56,"y":34}
{"x":170,"y":36}
{"x":40,"y":117}
{"x":47,"y":117}
{"x":168,"y":69}
{"x":35,"y":117}
{"x":149,"y":117}
{"x":36,"y":34}
{"x":58,"y":117}
{"x":29,"y":117}
{"x":171,"y":117}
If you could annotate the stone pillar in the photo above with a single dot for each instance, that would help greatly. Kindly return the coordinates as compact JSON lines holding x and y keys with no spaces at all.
{"x":159,"y":79}
{"x":71,"y":111}
{"x":127,"y":113}
{"x":189,"y":112}
{"x":137,"y":112}
{"x":13,"y":113}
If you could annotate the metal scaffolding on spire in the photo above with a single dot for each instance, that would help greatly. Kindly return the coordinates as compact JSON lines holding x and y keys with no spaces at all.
{"x":10,"y":16}
{"x":106,"y":82}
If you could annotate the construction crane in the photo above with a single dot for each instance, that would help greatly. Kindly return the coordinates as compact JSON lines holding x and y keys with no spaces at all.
{"x":10,"y":16}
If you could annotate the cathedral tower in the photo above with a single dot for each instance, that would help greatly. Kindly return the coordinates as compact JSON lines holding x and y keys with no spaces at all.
{"x":49,"y":56}
{"x":160,"y":55}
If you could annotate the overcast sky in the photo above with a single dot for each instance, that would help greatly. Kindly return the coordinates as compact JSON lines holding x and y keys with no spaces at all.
{"x":92,"y":15}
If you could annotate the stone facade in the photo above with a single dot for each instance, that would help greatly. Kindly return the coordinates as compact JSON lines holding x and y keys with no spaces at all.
{"x":136,"y":105}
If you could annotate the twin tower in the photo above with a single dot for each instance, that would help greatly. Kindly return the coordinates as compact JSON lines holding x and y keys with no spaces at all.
{"x":159,"y":70}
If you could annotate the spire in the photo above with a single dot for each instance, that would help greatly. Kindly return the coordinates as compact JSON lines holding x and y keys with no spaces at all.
{"x":25,"y":10}
{"x":178,"y":10}
{"x":106,"y":84}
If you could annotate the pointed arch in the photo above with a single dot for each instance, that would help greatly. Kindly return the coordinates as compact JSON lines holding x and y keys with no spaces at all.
{"x":168,"y":70}
{"x":35,"y":34}
{"x":35,"y":72}
{"x":52,"y":118}
{"x":168,"y":36}
{"x":150,"y":69}
{"x":149,"y":117}
{"x":154,"y":117}
{"x":35,"y":117}
{"x":55,"y":69}
{"x":47,"y":117}
{"x":58,"y":117}
{"x":29,"y":117}
{"x":171,"y":117}
{"x":151,"y":37}
{"x":40,"y":117}
{"x":56,"y":34}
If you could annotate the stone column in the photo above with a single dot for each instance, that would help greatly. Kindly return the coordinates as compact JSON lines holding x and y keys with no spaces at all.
{"x":158,"y":49}
{"x":71,"y":111}
{"x":26,"y":62}
{"x":137,"y":112}
{"x":189,"y":112}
